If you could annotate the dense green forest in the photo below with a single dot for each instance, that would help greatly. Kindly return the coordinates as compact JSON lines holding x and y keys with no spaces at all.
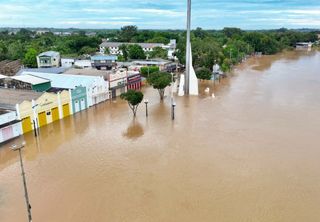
{"x":226,"y":47}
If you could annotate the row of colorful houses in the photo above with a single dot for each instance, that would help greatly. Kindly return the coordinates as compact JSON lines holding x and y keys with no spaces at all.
{"x":32,"y":106}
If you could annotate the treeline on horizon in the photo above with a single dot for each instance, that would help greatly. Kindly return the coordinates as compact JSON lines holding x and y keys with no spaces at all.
{"x":225,"y":47}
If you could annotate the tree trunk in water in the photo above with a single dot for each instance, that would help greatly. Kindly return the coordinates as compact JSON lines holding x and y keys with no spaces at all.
{"x":161,"y":93}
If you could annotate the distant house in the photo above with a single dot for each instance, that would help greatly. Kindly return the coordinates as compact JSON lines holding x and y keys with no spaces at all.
{"x":114,"y":47}
{"x":67,"y":62}
{"x":48,"y":59}
{"x":82,"y":63}
{"x":103,"y":62}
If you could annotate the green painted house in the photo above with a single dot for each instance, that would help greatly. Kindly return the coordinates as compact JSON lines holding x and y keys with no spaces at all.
{"x":79,"y":99}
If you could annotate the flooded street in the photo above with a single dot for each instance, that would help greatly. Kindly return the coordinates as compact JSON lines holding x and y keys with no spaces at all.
{"x":250,"y":154}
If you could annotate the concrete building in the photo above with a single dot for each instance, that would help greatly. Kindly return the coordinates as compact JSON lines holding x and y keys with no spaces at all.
{"x":103,"y":62}
{"x":117,"y":82}
{"x":82,"y":63}
{"x":134,"y":80}
{"x":97,"y":88}
{"x":10,"y":126}
{"x":13,"y":99}
{"x":164,"y":65}
{"x":67,"y":62}
{"x":114,"y":47}
{"x":48,"y":59}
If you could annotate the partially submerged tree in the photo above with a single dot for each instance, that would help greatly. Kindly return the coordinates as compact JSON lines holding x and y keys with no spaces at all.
{"x":203,"y":73}
{"x":134,"y":98}
{"x":159,"y":81}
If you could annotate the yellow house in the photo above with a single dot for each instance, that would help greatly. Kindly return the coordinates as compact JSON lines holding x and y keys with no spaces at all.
{"x":36,"y":109}
{"x":65,"y":103}
{"x":51,"y":107}
{"x":27,"y":116}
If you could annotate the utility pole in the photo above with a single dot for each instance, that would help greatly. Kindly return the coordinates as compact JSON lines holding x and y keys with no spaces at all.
{"x":188,"y":51}
{"x":18,"y":148}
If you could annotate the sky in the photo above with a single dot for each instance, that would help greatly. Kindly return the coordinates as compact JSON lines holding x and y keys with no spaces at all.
{"x":160,"y":14}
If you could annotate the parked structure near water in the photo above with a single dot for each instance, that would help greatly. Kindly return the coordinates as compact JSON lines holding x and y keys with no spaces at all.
{"x":304,"y":45}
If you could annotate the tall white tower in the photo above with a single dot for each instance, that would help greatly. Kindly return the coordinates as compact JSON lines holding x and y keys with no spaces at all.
{"x":188,"y":85}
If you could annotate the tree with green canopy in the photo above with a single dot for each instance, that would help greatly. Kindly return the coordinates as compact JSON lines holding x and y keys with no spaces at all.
{"x":158,"y":52}
{"x":136,"y":52}
{"x":134,"y":98}
{"x":147,"y":70}
{"x":203,"y":73}
{"x":30,"y":58}
{"x":127,"y":33}
{"x":124,"y":50}
{"x":159,"y":81}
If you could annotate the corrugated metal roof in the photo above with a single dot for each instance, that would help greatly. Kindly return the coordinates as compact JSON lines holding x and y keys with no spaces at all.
{"x":102,"y":57}
{"x":49,"y":53}
{"x":56,"y":70}
{"x":34,"y":80}
{"x":66,"y":81}
{"x":10,"y":97}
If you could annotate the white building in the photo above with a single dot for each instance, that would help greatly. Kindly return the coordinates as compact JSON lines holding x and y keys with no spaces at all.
{"x":113,"y":47}
{"x":48,"y":59}
{"x":10,"y":126}
{"x":67,"y":62}
{"x":83,"y":64}
{"x":97,"y":87}
{"x":78,"y":63}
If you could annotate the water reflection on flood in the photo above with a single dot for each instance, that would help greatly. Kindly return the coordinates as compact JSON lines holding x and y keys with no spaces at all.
{"x":249,"y":154}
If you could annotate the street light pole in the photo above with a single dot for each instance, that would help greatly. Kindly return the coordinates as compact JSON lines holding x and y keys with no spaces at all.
{"x":146,"y":102}
{"x":15,"y":148}
{"x":173,"y":105}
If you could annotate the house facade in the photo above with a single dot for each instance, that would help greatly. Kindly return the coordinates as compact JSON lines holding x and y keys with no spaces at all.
{"x":134,"y":80}
{"x":79,"y":99}
{"x":48,"y":108}
{"x":117,"y":82}
{"x":10,"y":126}
{"x":48,"y":59}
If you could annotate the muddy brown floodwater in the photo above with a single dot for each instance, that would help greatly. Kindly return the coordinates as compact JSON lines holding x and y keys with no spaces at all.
{"x":250,"y":154}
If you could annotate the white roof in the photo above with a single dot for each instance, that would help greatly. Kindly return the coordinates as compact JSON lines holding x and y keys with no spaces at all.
{"x":50,"y":53}
{"x":66,"y":81}
{"x":30,"y":79}
{"x":3,"y":76}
